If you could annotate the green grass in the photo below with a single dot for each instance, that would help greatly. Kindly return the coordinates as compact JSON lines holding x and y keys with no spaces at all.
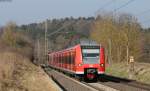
{"x":117,"y":70}
{"x":144,"y":77}
{"x":122,"y":70}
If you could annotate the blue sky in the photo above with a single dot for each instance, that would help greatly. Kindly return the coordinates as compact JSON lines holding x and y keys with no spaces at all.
{"x":30,"y":11}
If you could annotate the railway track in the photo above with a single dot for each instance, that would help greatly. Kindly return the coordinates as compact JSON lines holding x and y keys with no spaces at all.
{"x":124,"y":84}
{"x":69,"y":84}
{"x":110,"y":83}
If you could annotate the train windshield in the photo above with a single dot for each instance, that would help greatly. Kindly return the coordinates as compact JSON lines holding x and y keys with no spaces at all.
{"x":90,"y":54}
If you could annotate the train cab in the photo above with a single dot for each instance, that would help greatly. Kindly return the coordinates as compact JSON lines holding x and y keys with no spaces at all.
{"x":90,"y":60}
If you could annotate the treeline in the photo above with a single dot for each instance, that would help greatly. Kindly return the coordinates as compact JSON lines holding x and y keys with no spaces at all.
{"x":121,"y":35}
{"x":72,"y":26}
{"x":71,"y":30}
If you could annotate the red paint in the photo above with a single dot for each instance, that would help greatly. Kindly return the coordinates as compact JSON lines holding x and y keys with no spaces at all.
{"x":90,"y":76}
{"x":61,"y":60}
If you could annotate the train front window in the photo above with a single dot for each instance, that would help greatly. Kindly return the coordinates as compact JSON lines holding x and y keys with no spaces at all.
{"x":90,"y":55}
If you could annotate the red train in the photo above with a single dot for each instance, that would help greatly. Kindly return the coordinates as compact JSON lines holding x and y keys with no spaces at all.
{"x":82,"y":60}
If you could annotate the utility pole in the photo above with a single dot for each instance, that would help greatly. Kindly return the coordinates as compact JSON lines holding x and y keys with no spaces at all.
{"x":127,"y":54}
{"x":38,"y":51}
{"x":110,"y":56}
{"x":45,"y":56}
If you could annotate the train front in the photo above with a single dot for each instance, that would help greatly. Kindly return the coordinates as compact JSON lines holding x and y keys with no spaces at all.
{"x":92,"y":63}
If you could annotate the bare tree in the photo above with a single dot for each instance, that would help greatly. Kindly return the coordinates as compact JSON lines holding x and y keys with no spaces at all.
{"x":120,"y":36}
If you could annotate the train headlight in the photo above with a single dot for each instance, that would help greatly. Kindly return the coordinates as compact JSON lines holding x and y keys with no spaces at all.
{"x":80,"y":64}
{"x":102,"y":65}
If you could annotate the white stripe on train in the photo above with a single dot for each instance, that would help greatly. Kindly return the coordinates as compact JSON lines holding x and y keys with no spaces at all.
{"x":74,"y":72}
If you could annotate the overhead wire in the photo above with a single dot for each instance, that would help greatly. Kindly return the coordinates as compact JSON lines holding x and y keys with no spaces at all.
{"x":143,"y":13}
{"x":124,"y":5}
{"x":116,"y":9}
{"x":105,"y":5}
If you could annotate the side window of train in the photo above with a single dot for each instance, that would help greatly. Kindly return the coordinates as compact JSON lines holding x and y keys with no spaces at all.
{"x":65,"y":58}
{"x":73,"y":57}
{"x":58,"y":58}
{"x":62,"y":58}
{"x":70,"y":58}
{"x":53,"y":57}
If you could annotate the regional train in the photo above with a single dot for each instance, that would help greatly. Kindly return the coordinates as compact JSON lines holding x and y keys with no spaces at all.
{"x":85,"y":60}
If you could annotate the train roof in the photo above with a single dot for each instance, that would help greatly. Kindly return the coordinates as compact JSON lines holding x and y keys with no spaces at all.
{"x":88,"y":43}
{"x":83,"y":42}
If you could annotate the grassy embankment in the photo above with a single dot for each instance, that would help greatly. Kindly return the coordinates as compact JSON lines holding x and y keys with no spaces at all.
{"x":17,"y":72}
{"x":141,"y":73}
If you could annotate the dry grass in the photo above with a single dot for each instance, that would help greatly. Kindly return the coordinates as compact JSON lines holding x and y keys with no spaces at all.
{"x":17,"y":73}
{"x":141,"y":73}
{"x":7,"y":61}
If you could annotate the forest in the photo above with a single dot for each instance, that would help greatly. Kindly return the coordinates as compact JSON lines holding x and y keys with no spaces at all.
{"x":121,"y":35}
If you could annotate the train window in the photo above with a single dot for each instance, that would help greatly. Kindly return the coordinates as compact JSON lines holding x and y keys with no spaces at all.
{"x":63,"y":58}
{"x":57,"y":58}
{"x":73,"y":57}
{"x":66,"y":58}
{"x":90,"y":54}
{"x":69,"y":58}
{"x":60,"y":58}
{"x":50,"y":57}
{"x":54,"y":58}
